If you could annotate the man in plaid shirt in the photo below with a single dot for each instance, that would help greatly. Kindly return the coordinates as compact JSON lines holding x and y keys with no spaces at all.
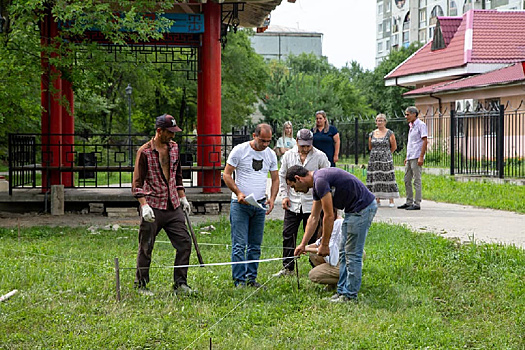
{"x":157,"y":185}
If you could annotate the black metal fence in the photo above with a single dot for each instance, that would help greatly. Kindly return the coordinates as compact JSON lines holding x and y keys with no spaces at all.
{"x":106,"y":161}
{"x":483,"y":142}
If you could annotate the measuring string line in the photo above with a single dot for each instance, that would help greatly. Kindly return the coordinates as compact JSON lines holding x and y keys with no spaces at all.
{"x":228,"y":245}
{"x":208,"y":330}
{"x":210,"y":264}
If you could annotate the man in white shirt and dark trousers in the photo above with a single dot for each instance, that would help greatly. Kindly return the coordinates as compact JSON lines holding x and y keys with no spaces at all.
{"x":297,"y":206}
{"x":251,"y":161}
{"x":416,"y":149}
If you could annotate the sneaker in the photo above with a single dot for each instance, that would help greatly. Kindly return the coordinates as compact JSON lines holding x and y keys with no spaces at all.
{"x":145,"y":291}
{"x":391,"y":205}
{"x":333,"y":297}
{"x":342,"y":299}
{"x":255,"y":284}
{"x":282,"y":273}
{"x":404,"y":206}
{"x":183,"y":288}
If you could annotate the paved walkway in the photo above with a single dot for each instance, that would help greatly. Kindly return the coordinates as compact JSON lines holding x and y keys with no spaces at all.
{"x":463,"y":222}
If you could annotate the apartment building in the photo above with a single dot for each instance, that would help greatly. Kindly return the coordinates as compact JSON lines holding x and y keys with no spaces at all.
{"x":401,"y":22}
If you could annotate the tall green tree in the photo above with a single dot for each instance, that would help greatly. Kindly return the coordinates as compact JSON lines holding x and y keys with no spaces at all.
{"x":381,"y":98}
{"x":304,"y":84}
{"x":244,"y":79}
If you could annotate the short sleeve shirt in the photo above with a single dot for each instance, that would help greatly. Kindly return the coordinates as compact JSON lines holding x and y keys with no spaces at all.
{"x":324,"y":141}
{"x":417,"y":132}
{"x":348,"y":192}
{"x":286,"y":142}
{"x":251,"y":169}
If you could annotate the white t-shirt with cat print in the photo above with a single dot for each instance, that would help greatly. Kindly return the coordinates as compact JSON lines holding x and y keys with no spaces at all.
{"x":251,"y":169}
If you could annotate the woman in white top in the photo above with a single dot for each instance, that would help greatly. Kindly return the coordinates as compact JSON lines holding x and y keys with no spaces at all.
{"x":285,"y":142}
{"x":326,"y":270}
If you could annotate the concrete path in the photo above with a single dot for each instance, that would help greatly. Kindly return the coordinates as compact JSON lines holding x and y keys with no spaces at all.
{"x":463,"y":222}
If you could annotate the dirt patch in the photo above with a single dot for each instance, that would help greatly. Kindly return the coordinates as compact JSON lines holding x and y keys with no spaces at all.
{"x":77,"y":219}
{"x":67,"y":220}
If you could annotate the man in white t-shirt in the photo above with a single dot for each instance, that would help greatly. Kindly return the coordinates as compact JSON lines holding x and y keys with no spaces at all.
{"x":251,"y":161}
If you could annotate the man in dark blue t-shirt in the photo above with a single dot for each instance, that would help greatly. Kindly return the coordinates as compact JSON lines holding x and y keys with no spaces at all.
{"x":334,"y":187}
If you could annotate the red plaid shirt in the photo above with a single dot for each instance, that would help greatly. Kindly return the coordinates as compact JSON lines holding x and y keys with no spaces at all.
{"x":149,"y":180}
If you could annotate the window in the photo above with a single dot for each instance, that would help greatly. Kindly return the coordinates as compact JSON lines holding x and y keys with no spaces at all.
{"x":387,"y":24}
{"x":422,"y":18}
{"x":436,"y":11}
{"x":431,"y":32}
{"x":380,"y":28}
{"x":490,"y":121}
{"x":422,"y":3}
{"x":388,"y":6}
{"x":422,"y":35}
{"x":380,"y":46}
{"x":406,"y":30}
{"x":395,"y":25}
{"x":395,"y":40}
{"x":380,"y":8}
{"x":453,"y":8}
{"x":387,"y":44}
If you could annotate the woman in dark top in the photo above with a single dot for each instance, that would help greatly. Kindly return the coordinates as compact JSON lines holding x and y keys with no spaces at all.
{"x":326,"y":137}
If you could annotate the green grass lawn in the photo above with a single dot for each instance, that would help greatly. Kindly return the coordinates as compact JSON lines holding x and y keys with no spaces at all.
{"x":419,"y":291}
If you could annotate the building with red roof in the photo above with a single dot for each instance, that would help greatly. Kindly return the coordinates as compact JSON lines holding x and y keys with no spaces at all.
{"x":474,"y":59}
{"x":473,"y":64}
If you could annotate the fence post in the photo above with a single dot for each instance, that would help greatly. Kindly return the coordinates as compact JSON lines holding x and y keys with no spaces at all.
{"x":500,"y":142}
{"x":452,"y":141}
{"x":356,"y":140}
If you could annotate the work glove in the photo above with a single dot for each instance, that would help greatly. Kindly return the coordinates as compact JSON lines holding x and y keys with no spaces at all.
{"x":185,"y":205}
{"x":147,"y":213}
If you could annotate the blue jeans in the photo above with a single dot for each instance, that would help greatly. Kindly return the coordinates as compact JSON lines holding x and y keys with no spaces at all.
{"x":353,"y":235}
{"x":247,"y":228}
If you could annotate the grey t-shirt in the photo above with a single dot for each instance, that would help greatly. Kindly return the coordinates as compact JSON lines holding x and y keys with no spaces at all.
{"x":348,"y":192}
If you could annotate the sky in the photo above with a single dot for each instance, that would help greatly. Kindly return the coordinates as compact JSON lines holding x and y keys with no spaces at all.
{"x":348,"y":27}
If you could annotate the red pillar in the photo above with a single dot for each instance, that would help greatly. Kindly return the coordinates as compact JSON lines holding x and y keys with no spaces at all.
{"x":68,"y":130}
{"x":44,"y":94}
{"x":56,"y":112}
{"x":209,"y":99}
{"x":51,"y":91}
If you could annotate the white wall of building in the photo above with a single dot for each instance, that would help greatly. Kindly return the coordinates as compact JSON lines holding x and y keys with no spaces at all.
{"x":279,"y":42}
{"x":393,"y":30}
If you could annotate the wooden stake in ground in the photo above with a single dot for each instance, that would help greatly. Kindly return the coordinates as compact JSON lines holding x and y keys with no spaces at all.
{"x":8,"y":295}
{"x":117,"y":279}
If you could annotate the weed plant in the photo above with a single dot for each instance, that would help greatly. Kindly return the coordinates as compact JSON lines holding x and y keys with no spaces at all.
{"x":419,"y":291}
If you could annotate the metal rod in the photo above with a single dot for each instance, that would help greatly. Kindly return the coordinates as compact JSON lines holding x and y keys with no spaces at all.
{"x":117,"y":279}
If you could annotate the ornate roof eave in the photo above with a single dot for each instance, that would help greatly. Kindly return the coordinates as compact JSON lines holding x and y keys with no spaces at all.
{"x":254,"y":14}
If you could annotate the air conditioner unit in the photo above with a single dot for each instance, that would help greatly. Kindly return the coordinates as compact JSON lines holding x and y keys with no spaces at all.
{"x":460,"y":106}
{"x":468,"y":104}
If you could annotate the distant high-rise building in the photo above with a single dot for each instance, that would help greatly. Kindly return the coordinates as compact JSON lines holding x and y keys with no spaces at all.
{"x":277,"y":42}
{"x":401,"y":22}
